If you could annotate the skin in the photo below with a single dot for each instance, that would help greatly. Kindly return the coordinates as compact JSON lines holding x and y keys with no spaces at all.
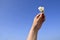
{"x":37,"y":23}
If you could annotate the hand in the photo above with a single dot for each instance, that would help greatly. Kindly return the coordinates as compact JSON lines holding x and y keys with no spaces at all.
{"x":38,"y":20}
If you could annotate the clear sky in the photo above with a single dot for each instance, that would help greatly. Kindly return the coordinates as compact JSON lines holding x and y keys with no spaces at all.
{"x":16,"y":17}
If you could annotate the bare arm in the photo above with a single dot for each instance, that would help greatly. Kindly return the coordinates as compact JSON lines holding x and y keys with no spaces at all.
{"x":38,"y":20}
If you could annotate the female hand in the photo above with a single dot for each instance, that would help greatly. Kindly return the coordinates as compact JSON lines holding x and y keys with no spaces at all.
{"x":38,"y":20}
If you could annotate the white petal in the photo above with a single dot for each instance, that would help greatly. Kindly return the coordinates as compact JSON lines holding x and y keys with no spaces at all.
{"x":41,"y":8}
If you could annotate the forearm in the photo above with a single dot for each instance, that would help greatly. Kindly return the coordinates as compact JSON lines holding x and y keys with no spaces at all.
{"x":32,"y":34}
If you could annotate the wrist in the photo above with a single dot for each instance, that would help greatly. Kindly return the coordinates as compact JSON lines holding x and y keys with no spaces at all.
{"x":34,"y":29}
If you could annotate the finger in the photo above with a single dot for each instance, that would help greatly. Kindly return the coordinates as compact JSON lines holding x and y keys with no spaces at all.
{"x":37,"y":16}
{"x":41,"y":15}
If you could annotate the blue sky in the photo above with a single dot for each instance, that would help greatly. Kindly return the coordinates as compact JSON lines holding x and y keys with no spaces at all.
{"x":16,"y":17}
